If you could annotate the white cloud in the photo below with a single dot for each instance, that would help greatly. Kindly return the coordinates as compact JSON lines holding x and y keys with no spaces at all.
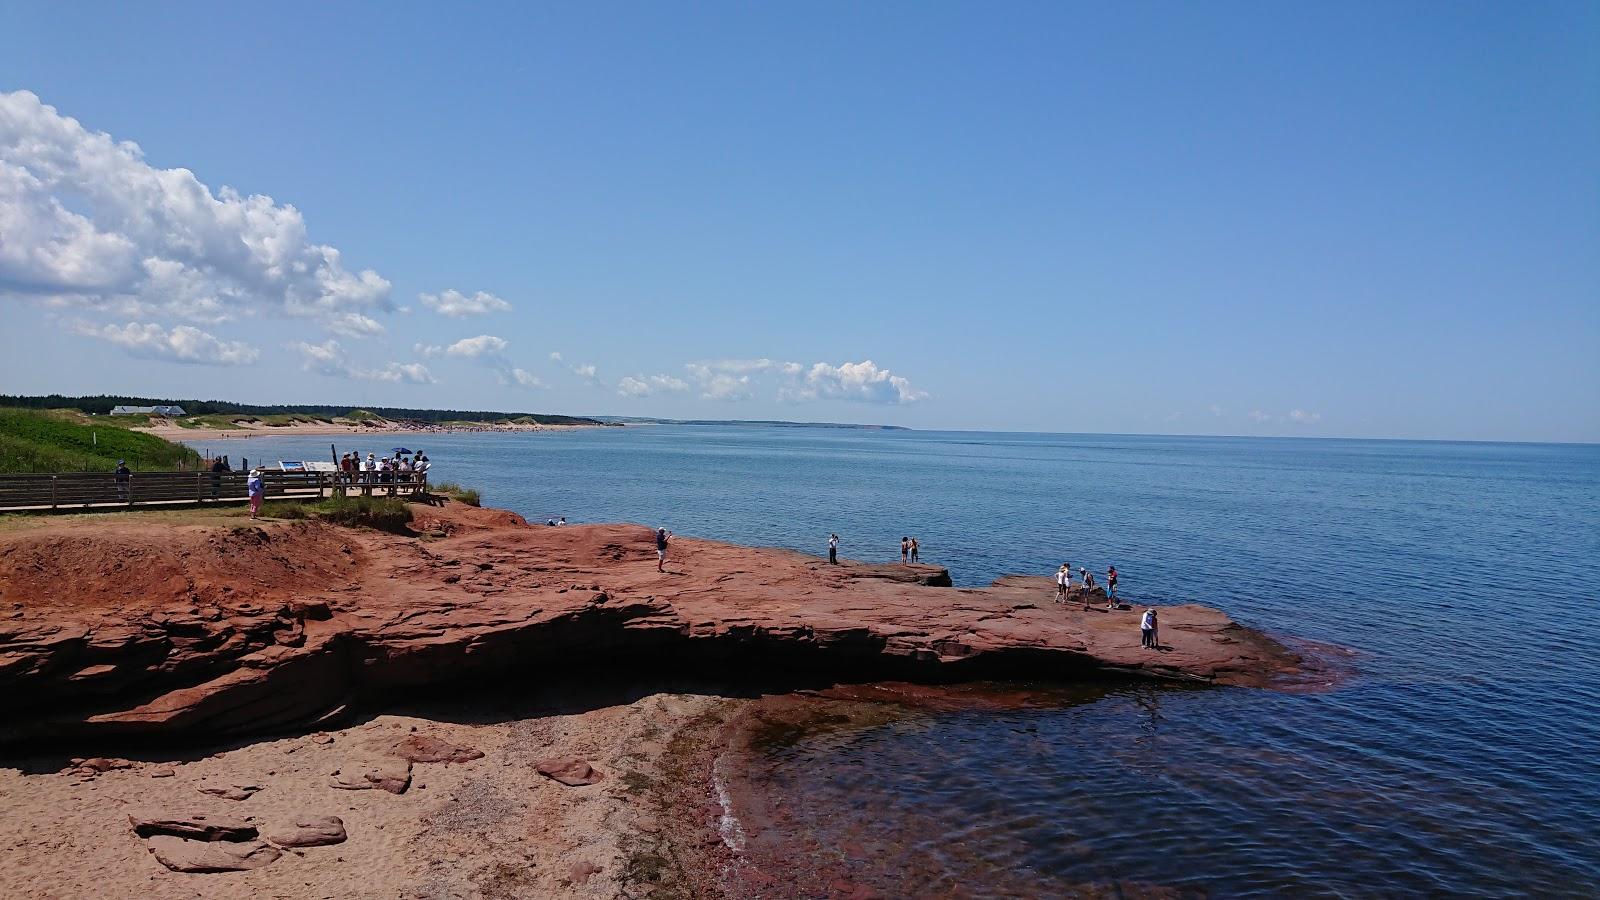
{"x":456,"y":304}
{"x":329,"y":358}
{"x":477,"y":347}
{"x":1301,"y":417}
{"x":487,"y":349}
{"x":721,"y":381}
{"x":862,"y":382}
{"x":182,"y":344}
{"x":355,"y":325}
{"x":649,"y":385}
{"x":88,"y":223}
{"x":521,"y":378}
{"x":1257,"y":415}
{"x":1215,"y":409}
{"x":587,"y":372}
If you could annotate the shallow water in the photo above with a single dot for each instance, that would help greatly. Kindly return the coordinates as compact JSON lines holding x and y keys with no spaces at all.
{"x":1459,"y":759}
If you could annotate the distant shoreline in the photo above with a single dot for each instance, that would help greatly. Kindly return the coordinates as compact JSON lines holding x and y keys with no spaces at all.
{"x":180,"y":433}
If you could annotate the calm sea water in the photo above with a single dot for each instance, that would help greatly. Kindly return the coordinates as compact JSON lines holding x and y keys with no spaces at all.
{"x":1461,"y":759}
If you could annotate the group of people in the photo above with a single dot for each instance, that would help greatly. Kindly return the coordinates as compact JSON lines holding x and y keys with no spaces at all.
{"x":909,"y":546}
{"x":396,"y":469}
{"x":910,"y":550}
{"x":1064,"y":585}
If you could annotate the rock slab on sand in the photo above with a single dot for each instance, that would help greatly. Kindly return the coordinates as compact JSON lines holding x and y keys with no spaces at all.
{"x":194,"y":826}
{"x":422,"y":748}
{"x":308,"y":831}
{"x":389,"y":774}
{"x":181,"y":855}
{"x":570,"y":771}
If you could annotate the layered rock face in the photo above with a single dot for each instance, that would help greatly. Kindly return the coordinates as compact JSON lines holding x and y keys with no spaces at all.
{"x":129,"y":629}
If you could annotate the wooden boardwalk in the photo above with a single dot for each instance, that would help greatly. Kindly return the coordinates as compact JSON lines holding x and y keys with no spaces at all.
{"x":103,"y":490}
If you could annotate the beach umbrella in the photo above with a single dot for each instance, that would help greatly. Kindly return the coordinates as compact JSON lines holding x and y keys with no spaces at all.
{"x":401,"y":451}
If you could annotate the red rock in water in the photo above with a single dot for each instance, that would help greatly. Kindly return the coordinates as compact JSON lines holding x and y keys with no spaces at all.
{"x":570,"y":771}
{"x":196,"y":826}
{"x":429,"y":749}
{"x":271,"y":662}
{"x":181,"y":855}
{"x":306,"y":830}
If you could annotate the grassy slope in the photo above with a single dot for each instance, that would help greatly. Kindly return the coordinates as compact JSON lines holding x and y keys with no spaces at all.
{"x":60,"y":441}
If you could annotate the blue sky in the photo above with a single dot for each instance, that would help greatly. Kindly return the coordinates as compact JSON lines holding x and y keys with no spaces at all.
{"x":1358,"y":219}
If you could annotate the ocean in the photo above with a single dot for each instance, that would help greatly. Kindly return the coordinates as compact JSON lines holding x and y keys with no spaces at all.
{"x":1458,"y":757}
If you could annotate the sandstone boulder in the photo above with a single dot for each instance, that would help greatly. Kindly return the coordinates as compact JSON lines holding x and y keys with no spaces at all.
{"x":429,"y":749}
{"x":181,"y":855}
{"x":230,"y":791}
{"x":196,"y":826}
{"x":385,"y":773}
{"x":307,"y":830}
{"x":570,"y":771}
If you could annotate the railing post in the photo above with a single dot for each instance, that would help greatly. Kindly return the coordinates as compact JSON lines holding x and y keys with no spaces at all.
{"x":53,"y":502}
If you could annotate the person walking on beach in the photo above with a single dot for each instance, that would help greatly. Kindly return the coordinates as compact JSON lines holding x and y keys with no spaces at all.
{"x":1147,"y":629}
{"x":257,"y":491}
{"x":914,"y":548}
{"x":905,"y":551}
{"x":833,"y":549}
{"x":663,"y":538}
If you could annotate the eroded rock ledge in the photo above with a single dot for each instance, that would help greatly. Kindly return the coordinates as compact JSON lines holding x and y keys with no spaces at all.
{"x":127,"y":629}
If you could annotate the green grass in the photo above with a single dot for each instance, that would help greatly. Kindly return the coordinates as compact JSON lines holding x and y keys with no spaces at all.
{"x":65,"y":441}
{"x":384,"y":513}
{"x":450,"y":489}
{"x":361,"y":415}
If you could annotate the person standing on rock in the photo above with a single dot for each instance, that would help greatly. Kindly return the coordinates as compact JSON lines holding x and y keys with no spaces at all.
{"x":1147,"y":629}
{"x":1111,"y":582}
{"x":833,"y":549}
{"x":257,"y":491}
{"x":1063,"y":580}
{"x":663,"y":538}
{"x":905,"y":550}
{"x":914,"y":548}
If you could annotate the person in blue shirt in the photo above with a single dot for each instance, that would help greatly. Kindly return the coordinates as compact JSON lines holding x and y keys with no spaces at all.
{"x":257,"y":491}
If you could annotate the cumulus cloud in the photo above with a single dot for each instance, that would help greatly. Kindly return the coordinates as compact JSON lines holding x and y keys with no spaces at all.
{"x":355,"y":325}
{"x":488,"y":350}
{"x":650,"y":385}
{"x":88,"y":223}
{"x":484,"y":345}
{"x":329,"y":358}
{"x":182,"y":344}
{"x":457,"y":305}
{"x":739,"y":379}
{"x":1302,"y":417}
{"x":587,"y":372}
{"x":862,"y":382}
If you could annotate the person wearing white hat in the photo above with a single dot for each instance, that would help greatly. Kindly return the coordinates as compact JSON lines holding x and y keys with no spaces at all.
{"x":257,"y":491}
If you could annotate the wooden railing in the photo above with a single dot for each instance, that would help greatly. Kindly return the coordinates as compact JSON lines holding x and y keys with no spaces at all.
{"x":88,"y":490}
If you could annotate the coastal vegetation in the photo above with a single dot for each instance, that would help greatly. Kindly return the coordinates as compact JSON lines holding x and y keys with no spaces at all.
{"x":383,"y":513}
{"x":455,"y":491}
{"x":102,"y":404}
{"x":43,"y":440}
